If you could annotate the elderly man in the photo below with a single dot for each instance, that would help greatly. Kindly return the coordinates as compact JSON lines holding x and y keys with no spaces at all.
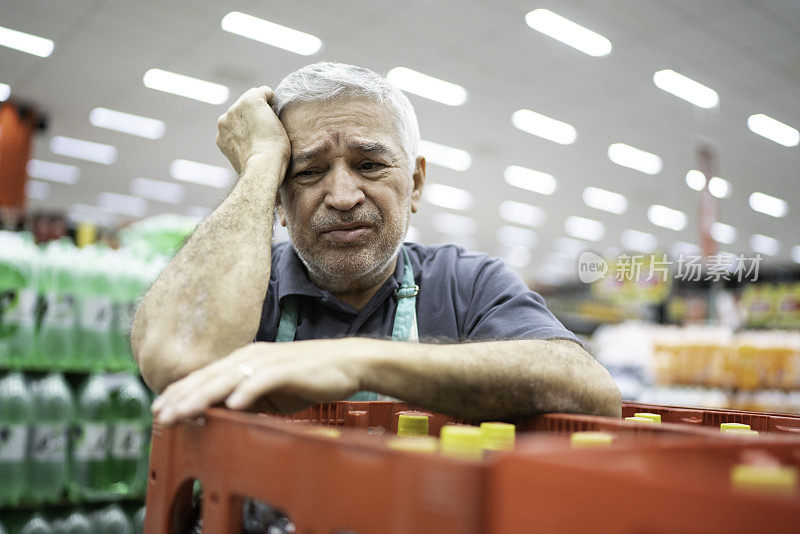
{"x":333,"y":151}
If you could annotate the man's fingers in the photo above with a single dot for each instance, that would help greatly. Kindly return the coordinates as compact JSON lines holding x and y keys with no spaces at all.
{"x":211,"y":392}
{"x":255,"y":386}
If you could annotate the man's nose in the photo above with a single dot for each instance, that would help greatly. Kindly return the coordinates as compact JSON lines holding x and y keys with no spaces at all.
{"x":344,"y":188}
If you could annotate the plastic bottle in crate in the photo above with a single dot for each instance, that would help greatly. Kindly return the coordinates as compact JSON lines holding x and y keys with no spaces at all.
{"x":95,"y":310}
{"x":90,"y":475}
{"x":131,"y":428}
{"x":16,"y":409}
{"x":56,"y":347}
{"x":47,"y":448}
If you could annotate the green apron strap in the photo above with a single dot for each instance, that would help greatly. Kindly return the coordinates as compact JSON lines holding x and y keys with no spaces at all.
{"x":405,"y":318}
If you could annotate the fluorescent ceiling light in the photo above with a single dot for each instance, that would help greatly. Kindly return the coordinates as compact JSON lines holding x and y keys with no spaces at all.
{"x":426,"y":86}
{"x":634,"y":158}
{"x":679,"y":85}
{"x":446,"y":156}
{"x":454,"y":225}
{"x":600,"y":199}
{"x":639,"y":241}
{"x":544,"y":126}
{"x":447,"y":197}
{"x":122,"y":204}
{"x":521,"y":213}
{"x":25,"y":42}
{"x":5,"y":91}
{"x":512,"y":236}
{"x":666,"y":217}
{"x":776,"y":131}
{"x":719,"y":187}
{"x":80,"y":149}
{"x":518,"y":256}
{"x":524,"y":178}
{"x":796,"y":253}
{"x":158,"y":190}
{"x":723,"y":233}
{"x":583,"y":228}
{"x":696,"y":180}
{"x":682,"y":248}
{"x":37,"y":190}
{"x":127,"y":123}
{"x":569,"y":246}
{"x":765,"y":245}
{"x":769,"y":205}
{"x":55,"y":172}
{"x":271,"y":33}
{"x":200,"y":213}
{"x":178,"y":84}
{"x":568,"y":32}
{"x":200,"y":173}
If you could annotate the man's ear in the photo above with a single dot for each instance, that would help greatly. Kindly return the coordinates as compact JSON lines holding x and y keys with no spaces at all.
{"x":419,"y":183}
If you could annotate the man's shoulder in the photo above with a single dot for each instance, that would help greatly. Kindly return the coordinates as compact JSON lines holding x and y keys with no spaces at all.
{"x":449,"y":257}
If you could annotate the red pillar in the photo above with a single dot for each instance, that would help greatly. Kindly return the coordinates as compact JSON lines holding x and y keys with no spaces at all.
{"x":16,"y":132}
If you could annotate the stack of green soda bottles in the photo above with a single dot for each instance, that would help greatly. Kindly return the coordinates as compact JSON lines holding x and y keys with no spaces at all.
{"x":84,"y":519}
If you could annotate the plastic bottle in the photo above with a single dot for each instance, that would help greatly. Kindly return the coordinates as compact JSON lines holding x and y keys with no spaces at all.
{"x":56,"y":347}
{"x":497,"y":436}
{"x":95,"y":310}
{"x":90,"y":474}
{"x":3,"y":528}
{"x":37,"y":524}
{"x":111,"y":520}
{"x":19,"y":259}
{"x":77,"y":522}
{"x":131,"y":430}
{"x":47,"y":457}
{"x":16,"y":409}
{"x":461,"y":441}
{"x":138,"y":521}
{"x":130,"y":280}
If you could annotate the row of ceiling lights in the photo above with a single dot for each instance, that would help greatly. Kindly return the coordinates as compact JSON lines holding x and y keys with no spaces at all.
{"x":426,"y":86}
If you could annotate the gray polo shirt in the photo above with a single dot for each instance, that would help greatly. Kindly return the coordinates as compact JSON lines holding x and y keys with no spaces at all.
{"x":464,"y":296}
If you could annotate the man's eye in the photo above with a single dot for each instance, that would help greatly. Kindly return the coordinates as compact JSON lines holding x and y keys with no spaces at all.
{"x":371,"y":166}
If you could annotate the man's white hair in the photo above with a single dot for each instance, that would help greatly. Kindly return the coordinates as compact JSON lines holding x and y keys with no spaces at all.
{"x":324,"y":81}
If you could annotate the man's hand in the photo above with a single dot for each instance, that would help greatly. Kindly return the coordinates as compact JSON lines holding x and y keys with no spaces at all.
{"x":250,"y":128}
{"x":278,"y":377}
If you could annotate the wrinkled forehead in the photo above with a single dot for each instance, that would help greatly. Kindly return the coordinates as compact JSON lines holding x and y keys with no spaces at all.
{"x":341,"y":123}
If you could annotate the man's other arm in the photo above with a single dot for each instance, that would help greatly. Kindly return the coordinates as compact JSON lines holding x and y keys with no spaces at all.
{"x":484,"y":380}
{"x":207,"y":302}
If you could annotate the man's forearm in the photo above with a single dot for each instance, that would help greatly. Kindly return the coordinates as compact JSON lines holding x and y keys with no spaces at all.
{"x":492,"y":380}
{"x":208,"y":300}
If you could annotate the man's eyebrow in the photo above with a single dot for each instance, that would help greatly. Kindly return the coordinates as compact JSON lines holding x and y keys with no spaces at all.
{"x":308,"y":155}
{"x":371,"y":147}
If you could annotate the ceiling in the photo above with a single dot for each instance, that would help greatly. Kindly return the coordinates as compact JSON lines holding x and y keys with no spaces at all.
{"x":748,"y":51}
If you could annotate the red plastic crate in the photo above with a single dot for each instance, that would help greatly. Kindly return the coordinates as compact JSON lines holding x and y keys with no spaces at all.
{"x":713,"y":418}
{"x":356,"y":483}
{"x":667,"y":487}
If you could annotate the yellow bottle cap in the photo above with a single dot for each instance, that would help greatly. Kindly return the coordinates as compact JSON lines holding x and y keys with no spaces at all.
{"x":412,"y":425}
{"x":497,"y":436}
{"x":426,"y":445}
{"x":734,"y":426}
{"x":323,"y":431}
{"x":741,"y":432}
{"x":639,"y":420}
{"x":590,"y":439}
{"x":461,"y":441}
{"x":656,"y":417}
{"x":777,"y":478}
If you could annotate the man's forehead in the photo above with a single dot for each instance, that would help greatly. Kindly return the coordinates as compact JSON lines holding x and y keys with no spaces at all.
{"x":339,"y":123}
